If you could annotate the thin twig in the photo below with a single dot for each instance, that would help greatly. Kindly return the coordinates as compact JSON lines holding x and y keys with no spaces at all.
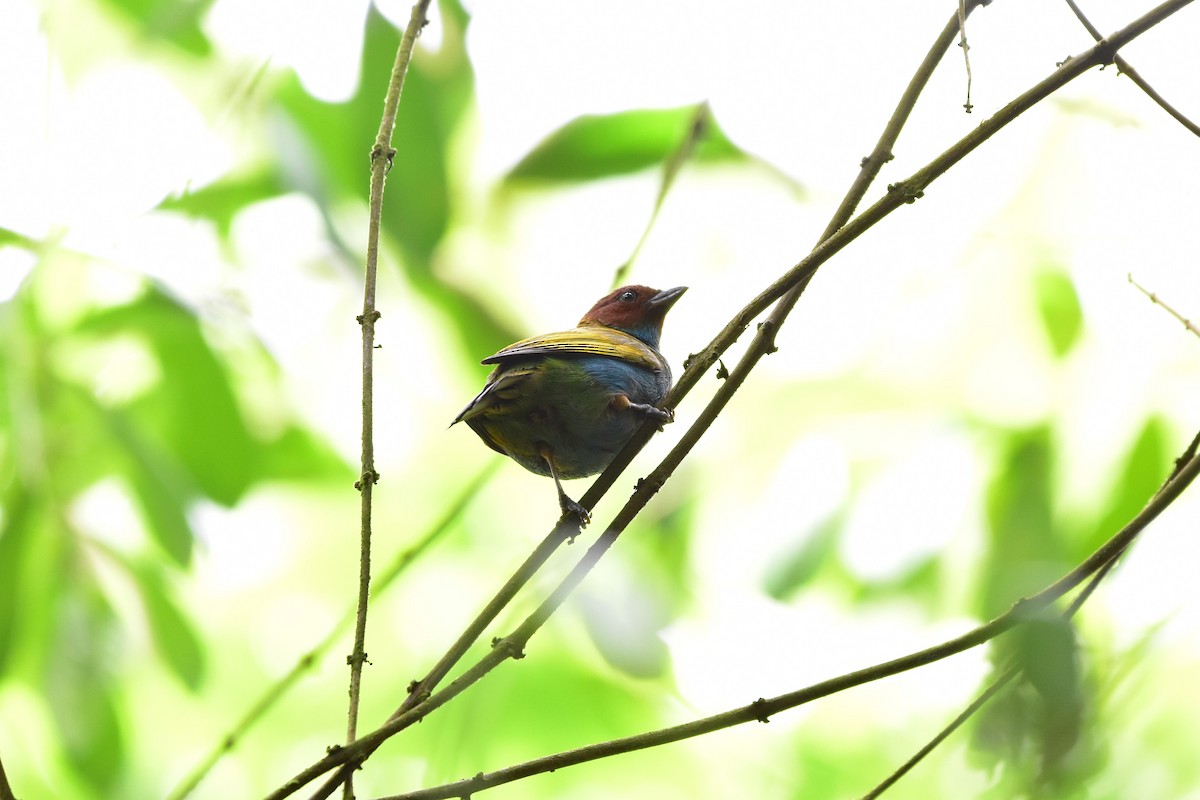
{"x":309,"y":660}
{"x":696,"y":130}
{"x":762,"y":709}
{"x":978,"y":703}
{"x":1125,"y":68}
{"x":905,"y":192}
{"x":1187,"y":323}
{"x":382,"y":155}
{"x":962,"y":42}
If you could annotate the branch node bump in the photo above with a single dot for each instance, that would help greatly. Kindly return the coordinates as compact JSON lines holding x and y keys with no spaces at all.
{"x":368,"y":477}
{"x":363,"y":319}
{"x":760,"y":712}
{"x":379,"y":151}
{"x":767,"y":330}
{"x":909,"y":194}
{"x":650,"y":484}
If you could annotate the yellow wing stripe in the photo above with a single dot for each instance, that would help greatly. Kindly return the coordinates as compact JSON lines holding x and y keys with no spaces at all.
{"x":592,"y":341}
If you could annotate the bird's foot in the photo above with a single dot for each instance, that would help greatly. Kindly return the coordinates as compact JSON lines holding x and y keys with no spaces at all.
{"x":663,"y":416}
{"x":572,"y":509}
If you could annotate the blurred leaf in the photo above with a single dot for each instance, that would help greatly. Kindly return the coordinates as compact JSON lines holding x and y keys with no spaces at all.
{"x":919,"y":582}
{"x":1146,"y":467}
{"x":601,"y":146}
{"x":1024,"y":551}
{"x":221,"y":201}
{"x":1058,"y":305}
{"x":791,"y":571}
{"x":171,"y":20}
{"x":78,"y":685}
{"x":624,"y":621}
{"x":11,"y":237}
{"x":172,"y":633}
{"x":1035,"y":728}
{"x":438,"y":90}
{"x":665,"y":555}
{"x":192,"y":409}
{"x":299,"y":455}
{"x":1048,"y":654}
{"x":558,"y":701}
{"x":160,"y":490}
{"x":17,"y":591}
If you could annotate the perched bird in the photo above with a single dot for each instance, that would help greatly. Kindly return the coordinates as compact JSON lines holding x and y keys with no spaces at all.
{"x":564,"y":403}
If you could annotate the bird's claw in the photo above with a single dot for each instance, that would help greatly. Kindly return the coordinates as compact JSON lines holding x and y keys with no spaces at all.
{"x":664,"y":416}
{"x":572,"y":509}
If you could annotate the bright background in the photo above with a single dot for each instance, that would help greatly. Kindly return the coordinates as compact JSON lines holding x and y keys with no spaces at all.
{"x":965,"y":403}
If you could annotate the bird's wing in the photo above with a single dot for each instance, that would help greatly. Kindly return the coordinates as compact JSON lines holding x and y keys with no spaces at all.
{"x":504,"y":387}
{"x":593,"y":340}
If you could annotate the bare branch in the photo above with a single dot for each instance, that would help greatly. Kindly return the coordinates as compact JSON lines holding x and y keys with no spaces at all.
{"x":382,"y":155}
{"x":1187,"y":323}
{"x":1126,"y":68}
{"x":762,"y":709}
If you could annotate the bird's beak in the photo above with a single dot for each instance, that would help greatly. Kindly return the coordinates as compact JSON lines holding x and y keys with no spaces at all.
{"x":666,"y":298}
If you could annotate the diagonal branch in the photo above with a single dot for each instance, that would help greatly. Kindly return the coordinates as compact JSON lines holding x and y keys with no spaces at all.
{"x":1126,"y":68}
{"x":1154,"y":298}
{"x":1011,"y":672}
{"x":760,"y":710}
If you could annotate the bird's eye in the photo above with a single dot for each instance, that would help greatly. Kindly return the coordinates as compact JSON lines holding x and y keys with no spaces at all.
{"x":628,"y":297}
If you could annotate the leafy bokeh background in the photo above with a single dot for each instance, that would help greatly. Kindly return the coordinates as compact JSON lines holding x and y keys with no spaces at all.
{"x":967,"y":401}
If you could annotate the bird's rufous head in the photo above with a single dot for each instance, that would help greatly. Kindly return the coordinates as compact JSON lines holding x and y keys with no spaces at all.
{"x":637,"y":310}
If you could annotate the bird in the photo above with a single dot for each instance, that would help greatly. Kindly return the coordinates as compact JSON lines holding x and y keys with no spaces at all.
{"x":563,"y":404}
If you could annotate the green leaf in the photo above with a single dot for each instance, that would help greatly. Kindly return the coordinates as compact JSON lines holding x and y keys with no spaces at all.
{"x":601,"y":146}
{"x":191,"y":413}
{"x":159,"y":489}
{"x":1039,"y":718}
{"x":79,"y":688}
{"x":221,"y":201}
{"x":171,"y":20}
{"x":792,"y":571}
{"x":1058,"y":306}
{"x":625,"y":625}
{"x":299,"y":455}
{"x":1024,"y":548}
{"x":438,"y":90}
{"x":1146,"y":466}
{"x":171,"y":631}
{"x":18,"y":581}
{"x":1047,"y":652}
